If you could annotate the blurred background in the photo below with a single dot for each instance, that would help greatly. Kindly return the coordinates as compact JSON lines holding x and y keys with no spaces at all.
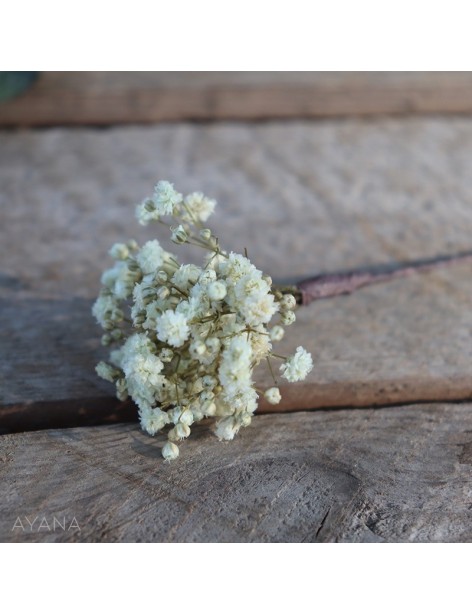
{"x":106,"y":98}
{"x":351,"y":168}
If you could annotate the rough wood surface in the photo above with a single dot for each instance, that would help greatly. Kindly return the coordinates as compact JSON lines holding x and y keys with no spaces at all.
{"x":400,"y":474}
{"x":77,"y":98}
{"x":303,"y":198}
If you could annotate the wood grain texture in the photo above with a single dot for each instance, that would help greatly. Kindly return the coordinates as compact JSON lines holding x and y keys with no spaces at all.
{"x":362,"y":356}
{"x":101,"y":98}
{"x":396,"y":475}
{"x":303,"y":198}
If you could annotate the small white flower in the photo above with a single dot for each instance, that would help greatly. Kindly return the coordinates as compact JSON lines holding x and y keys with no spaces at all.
{"x":146,"y":212}
{"x":193,"y":308}
{"x":226,"y":429}
{"x":260,"y":343}
{"x":151,"y":257}
{"x":106,"y":371}
{"x":235,"y":368}
{"x":198,"y":207}
{"x":259,"y":310}
{"x":119,"y":279}
{"x":186,"y":276}
{"x":153,"y":420}
{"x":166,"y":198}
{"x":106,"y":309}
{"x":216,"y":291}
{"x":236,"y":266}
{"x":119,"y":251}
{"x":174,"y":414}
{"x":297,"y":367}
{"x":170,"y":451}
{"x":172,"y":328}
{"x":273,"y":396}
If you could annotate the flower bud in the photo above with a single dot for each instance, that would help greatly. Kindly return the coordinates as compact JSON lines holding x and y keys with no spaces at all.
{"x":276,"y":333}
{"x":288,"y":302}
{"x":179,"y":432}
{"x":196,"y":387}
{"x":197,"y":413}
{"x":182,"y":430}
{"x":207,"y":395}
{"x":139,"y":318}
{"x":244,"y":419}
{"x":133,"y":266}
{"x":179,"y":235}
{"x":121,"y":390}
{"x":166,"y":355}
{"x":161,"y":277}
{"x":273,"y":396}
{"x":213,"y":344}
{"x":170,"y":451}
{"x":149,"y":205}
{"x":149,"y":295}
{"x":209,"y":408}
{"x":186,"y":418}
{"x":205,"y":234}
{"x":117,"y":334}
{"x":287,"y":317}
{"x":107,"y":372}
{"x":132,"y":245}
{"x":174,"y":414}
{"x":209,"y":381}
{"x":119,"y":251}
{"x":197,"y":348}
{"x":163,"y":293}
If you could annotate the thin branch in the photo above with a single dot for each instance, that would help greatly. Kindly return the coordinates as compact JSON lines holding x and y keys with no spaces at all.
{"x":334,"y":284}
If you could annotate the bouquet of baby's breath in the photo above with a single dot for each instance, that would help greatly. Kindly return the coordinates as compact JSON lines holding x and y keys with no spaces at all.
{"x":189,"y":337}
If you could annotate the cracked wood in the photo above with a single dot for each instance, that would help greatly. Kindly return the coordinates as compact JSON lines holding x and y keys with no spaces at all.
{"x":396,"y":475}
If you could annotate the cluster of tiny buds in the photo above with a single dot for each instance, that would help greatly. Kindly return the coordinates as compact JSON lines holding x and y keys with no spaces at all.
{"x":187,"y":338}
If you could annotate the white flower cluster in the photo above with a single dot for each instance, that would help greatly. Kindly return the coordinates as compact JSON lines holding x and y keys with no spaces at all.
{"x":189,"y":337}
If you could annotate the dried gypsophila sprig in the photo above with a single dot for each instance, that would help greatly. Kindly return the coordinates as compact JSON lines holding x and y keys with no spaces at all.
{"x":190,"y":337}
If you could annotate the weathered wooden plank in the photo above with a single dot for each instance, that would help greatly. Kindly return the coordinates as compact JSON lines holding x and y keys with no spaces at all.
{"x":77,"y":98}
{"x":363,"y":356}
{"x":302,"y":197}
{"x":390,"y":475}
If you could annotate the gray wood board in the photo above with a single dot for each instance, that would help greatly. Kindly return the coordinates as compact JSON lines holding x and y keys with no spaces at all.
{"x":348,"y":476}
{"x":302,"y":197}
{"x":103,"y":98}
